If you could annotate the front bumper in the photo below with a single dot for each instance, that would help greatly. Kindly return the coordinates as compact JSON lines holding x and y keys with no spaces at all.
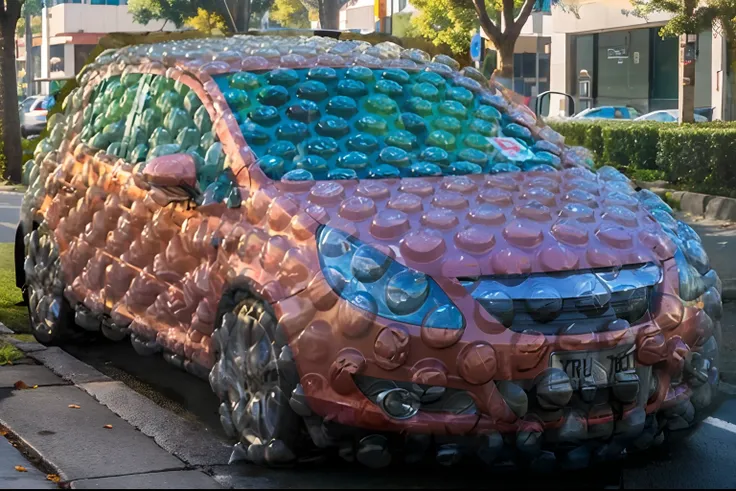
{"x":505,"y":374}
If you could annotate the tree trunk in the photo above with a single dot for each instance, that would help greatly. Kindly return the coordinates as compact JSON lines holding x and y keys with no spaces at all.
{"x":241,"y":14}
{"x":505,"y":72}
{"x":331,"y":11}
{"x":321,"y":13}
{"x":9,"y":107}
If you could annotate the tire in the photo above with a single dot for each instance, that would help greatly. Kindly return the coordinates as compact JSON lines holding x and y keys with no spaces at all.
{"x":254,"y":378}
{"x":50,"y":315}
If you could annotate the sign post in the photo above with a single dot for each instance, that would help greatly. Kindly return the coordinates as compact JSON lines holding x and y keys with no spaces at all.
{"x":476,"y":49}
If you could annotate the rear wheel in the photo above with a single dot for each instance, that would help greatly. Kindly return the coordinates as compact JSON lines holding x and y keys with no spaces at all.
{"x":50,"y":315}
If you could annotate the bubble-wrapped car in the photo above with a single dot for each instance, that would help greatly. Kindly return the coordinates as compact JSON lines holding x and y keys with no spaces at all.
{"x":366,"y":251}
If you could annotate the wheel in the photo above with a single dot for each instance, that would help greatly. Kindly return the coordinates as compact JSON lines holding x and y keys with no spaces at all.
{"x":23,"y":132}
{"x":50,"y":315}
{"x":254,"y":377}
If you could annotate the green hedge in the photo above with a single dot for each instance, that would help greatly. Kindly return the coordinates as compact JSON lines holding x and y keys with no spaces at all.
{"x":698,"y":157}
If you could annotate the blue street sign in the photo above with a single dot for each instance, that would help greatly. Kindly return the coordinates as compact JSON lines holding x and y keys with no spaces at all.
{"x":475,"y":47}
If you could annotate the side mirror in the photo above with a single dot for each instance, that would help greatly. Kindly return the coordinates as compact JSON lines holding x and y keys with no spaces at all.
{"x":175,"y":174}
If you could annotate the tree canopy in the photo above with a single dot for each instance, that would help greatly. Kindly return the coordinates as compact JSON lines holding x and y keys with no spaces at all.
{"x":174,"y":11}
{"x":179,"y":12}
{"x":208,"y":22}
{"x":290,"y":13}
{"x":449,"y":22}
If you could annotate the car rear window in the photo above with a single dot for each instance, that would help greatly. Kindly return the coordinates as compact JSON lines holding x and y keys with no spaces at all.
{"x":358,"y":122}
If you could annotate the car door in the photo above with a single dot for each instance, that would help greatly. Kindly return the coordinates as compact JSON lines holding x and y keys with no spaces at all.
{"x":125,"y":256}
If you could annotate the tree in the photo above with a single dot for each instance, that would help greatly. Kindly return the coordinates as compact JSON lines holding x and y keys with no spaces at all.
{"x":10,"y":11}
{"x":327,"y":10}
{"x":238,"y":14}
{"x":208,"y":22}
{"x":445,"y":22}
{"x":20,"y":29}
{"x":454,"y":22}
{"x":290,"y":13}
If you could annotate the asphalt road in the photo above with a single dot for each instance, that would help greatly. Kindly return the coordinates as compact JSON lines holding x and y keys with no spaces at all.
{"x":9,"y":214}
{"x":706,"y":460}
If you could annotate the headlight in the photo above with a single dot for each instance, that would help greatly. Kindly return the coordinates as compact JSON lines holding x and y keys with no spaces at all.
{"x":372,"y":281}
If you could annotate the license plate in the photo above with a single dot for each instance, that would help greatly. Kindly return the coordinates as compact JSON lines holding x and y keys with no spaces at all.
{"x":594,"y":368}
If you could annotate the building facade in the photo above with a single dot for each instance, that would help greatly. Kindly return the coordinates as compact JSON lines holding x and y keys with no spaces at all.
{"x":627,"y":61}
{"x":71,"y":29}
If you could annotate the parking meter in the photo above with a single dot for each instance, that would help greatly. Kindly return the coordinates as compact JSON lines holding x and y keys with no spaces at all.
{"x":585,"y":96}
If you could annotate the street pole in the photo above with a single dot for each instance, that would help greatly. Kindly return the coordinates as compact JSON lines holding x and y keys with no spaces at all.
{"x":686,"y":93}
{"x":536,"y":65}
{"x":45,"y":72}
{"x":29,"y":58}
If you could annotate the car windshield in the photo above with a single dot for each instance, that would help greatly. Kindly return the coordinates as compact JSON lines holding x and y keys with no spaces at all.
{"x":325,"y":123}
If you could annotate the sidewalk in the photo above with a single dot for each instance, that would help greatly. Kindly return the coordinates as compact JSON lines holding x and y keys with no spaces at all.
{"x":70,"y":421}
{"x":16,"y":472}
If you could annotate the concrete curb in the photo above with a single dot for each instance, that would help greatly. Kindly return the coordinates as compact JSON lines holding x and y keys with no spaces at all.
{"x":702,"y":205}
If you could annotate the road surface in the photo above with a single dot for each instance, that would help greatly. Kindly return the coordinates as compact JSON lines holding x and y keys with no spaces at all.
{"x":9,"y":214}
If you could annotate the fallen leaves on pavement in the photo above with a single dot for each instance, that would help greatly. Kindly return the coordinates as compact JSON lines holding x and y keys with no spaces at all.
{"x":20,"y":385}
{"x":108,"y":427}
{"x":53,"y":478}
{"x":20,"y":468}
{"x":73,"y":406}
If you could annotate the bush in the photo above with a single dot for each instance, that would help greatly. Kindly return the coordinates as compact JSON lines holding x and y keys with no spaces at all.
{"x":28,"y":147}
{"x":697,"y":157}
{"x":582,"y":133}
{"x":630,"y":145}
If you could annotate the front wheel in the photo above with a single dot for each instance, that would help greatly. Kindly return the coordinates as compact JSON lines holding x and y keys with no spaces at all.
{"x":254,"y":377}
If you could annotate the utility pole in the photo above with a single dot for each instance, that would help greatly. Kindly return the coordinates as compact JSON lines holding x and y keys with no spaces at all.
{"x":686,"y":91}
{"x":30,"y":90}
{"x":686,"y":95}
{"x":45,"y":69}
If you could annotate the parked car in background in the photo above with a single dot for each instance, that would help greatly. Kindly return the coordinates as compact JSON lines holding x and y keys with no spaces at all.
{"x":33,"y":111}
{"x":668,"y":116}
{"x":608,"y":112}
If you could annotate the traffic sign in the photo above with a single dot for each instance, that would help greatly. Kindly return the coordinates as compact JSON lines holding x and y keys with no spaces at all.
{"x":476,"y":47}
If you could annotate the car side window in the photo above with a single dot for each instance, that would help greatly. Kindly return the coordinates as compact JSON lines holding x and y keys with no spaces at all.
{"x":139,"y":117}
{"x":594,"y":113}
{"x":27,"y":105}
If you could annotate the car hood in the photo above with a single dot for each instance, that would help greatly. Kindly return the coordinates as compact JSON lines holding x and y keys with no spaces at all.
{"x":501,"y":224}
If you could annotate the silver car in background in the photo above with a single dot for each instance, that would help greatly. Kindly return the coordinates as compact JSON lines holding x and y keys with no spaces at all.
{"x":668,"y":116}
{"x":33,"y":112}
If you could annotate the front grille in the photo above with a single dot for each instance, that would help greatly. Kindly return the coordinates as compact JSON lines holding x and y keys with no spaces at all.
{"x":568,"y":303}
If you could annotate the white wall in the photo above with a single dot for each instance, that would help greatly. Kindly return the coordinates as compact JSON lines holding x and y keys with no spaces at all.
{"x":596,"y":16}
{"x":69,"y":69}
{"x":71,"y":18}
